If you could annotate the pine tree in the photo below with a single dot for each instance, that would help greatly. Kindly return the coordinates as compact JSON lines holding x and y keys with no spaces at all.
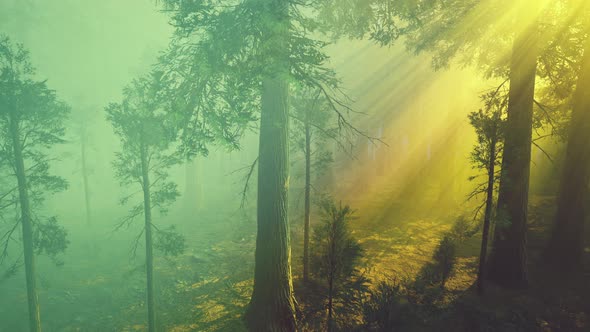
{"x":312,"y":127}
{"x":241,"y":57}
{"x":566,"y":244}
{"x":148,"y":135}
{"x":31,"y":122}
{"x":486,"y":155}
{"x":335,"y":261}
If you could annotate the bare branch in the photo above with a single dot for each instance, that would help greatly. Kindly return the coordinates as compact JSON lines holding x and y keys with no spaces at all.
{"x":244,"y":192}
{"x":136,"y":243}
{"x":543,"y":151}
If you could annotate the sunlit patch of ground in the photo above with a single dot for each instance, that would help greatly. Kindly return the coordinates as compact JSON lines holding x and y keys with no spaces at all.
{"x":208,"y":288}
{"x":400,"y":252}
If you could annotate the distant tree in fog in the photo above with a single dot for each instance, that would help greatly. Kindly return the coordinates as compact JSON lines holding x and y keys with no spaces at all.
{"x":31,"y":123}
{"x":312,"y":127}
{"x":148,"y":137}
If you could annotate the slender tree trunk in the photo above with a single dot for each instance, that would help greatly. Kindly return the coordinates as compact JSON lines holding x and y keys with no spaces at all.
{"x":306,"y":226}
{"x":194,"y":198}
{"x":567,"y":242}
{"x":487,"y":219}
{"x":331,"y":275}
{"x":149,"y":258}
{"x":330,"y":303}
{"x":27,"y":228}
{"x":85,"y":178}
{"x":272,"y":306}
{"x":508,"y":260}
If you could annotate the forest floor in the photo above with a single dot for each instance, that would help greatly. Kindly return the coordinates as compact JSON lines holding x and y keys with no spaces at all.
{"x":208,"y":288}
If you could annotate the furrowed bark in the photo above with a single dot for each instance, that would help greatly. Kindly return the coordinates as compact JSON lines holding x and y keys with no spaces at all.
{"x":272,"y":306}
{"x":508,"y":259}
{"x":567,"y":242}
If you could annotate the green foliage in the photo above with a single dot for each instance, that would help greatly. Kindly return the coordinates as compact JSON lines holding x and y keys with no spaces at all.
{"x":387,"y":308}
{"x":170,"y":242}
{"x":142,"y":122}
{"x":489,"y":124}
{"x":30,"y":105}
{"x":335,"y":259}
{"x":336,"y":253}
{"x":463,"y":229}
{"x":222,"y":51}
{"x":471,"y":33}
{"x":310,"y":109}
{"x":441,"y":268}
{"x":445,"y":259}
{"x":50,"y":238}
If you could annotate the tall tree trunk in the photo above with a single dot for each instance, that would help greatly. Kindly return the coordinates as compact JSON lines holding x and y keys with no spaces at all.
{"x":306,"y":226}
{"x":149,"y":258}
{"x":27,"y":228}
{"x":487,"y":219}
{"x":567,"y":242}
{"x":85,"y":178}
{"x":272,"y":306}
{"x":508,"y":259}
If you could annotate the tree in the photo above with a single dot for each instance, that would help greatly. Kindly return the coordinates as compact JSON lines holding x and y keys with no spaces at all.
{"x":311,"y":130}
{"x":488,"y":124}
{"x":470,"y":32}
{"x":241,"y":56}
{"x":566,"y":244}
{"x":335,"y":260}
{"x":31,"y":122}
{"x":85,"y":171}
{"x":444,"y":260}
{"x":81,"y":122}
{"x":147,"y":134}
{"x":508,"y":260}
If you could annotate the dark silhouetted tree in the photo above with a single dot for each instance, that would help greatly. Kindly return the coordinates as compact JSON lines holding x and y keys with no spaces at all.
{"x":469,"y":32}
{"x":567,"y":242}
{"x":488,"y":124}
{"x":335,"y":261}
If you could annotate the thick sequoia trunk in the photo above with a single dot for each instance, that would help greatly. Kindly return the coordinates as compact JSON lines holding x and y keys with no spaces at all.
{"x":507,"y":266}
{"x":272,"y":306}
{"x":27,"y":229}
{"x":487,"y":219}
{"x":567,"y":242}
{"x":306,"y":225}
{"x":149,"y":258}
